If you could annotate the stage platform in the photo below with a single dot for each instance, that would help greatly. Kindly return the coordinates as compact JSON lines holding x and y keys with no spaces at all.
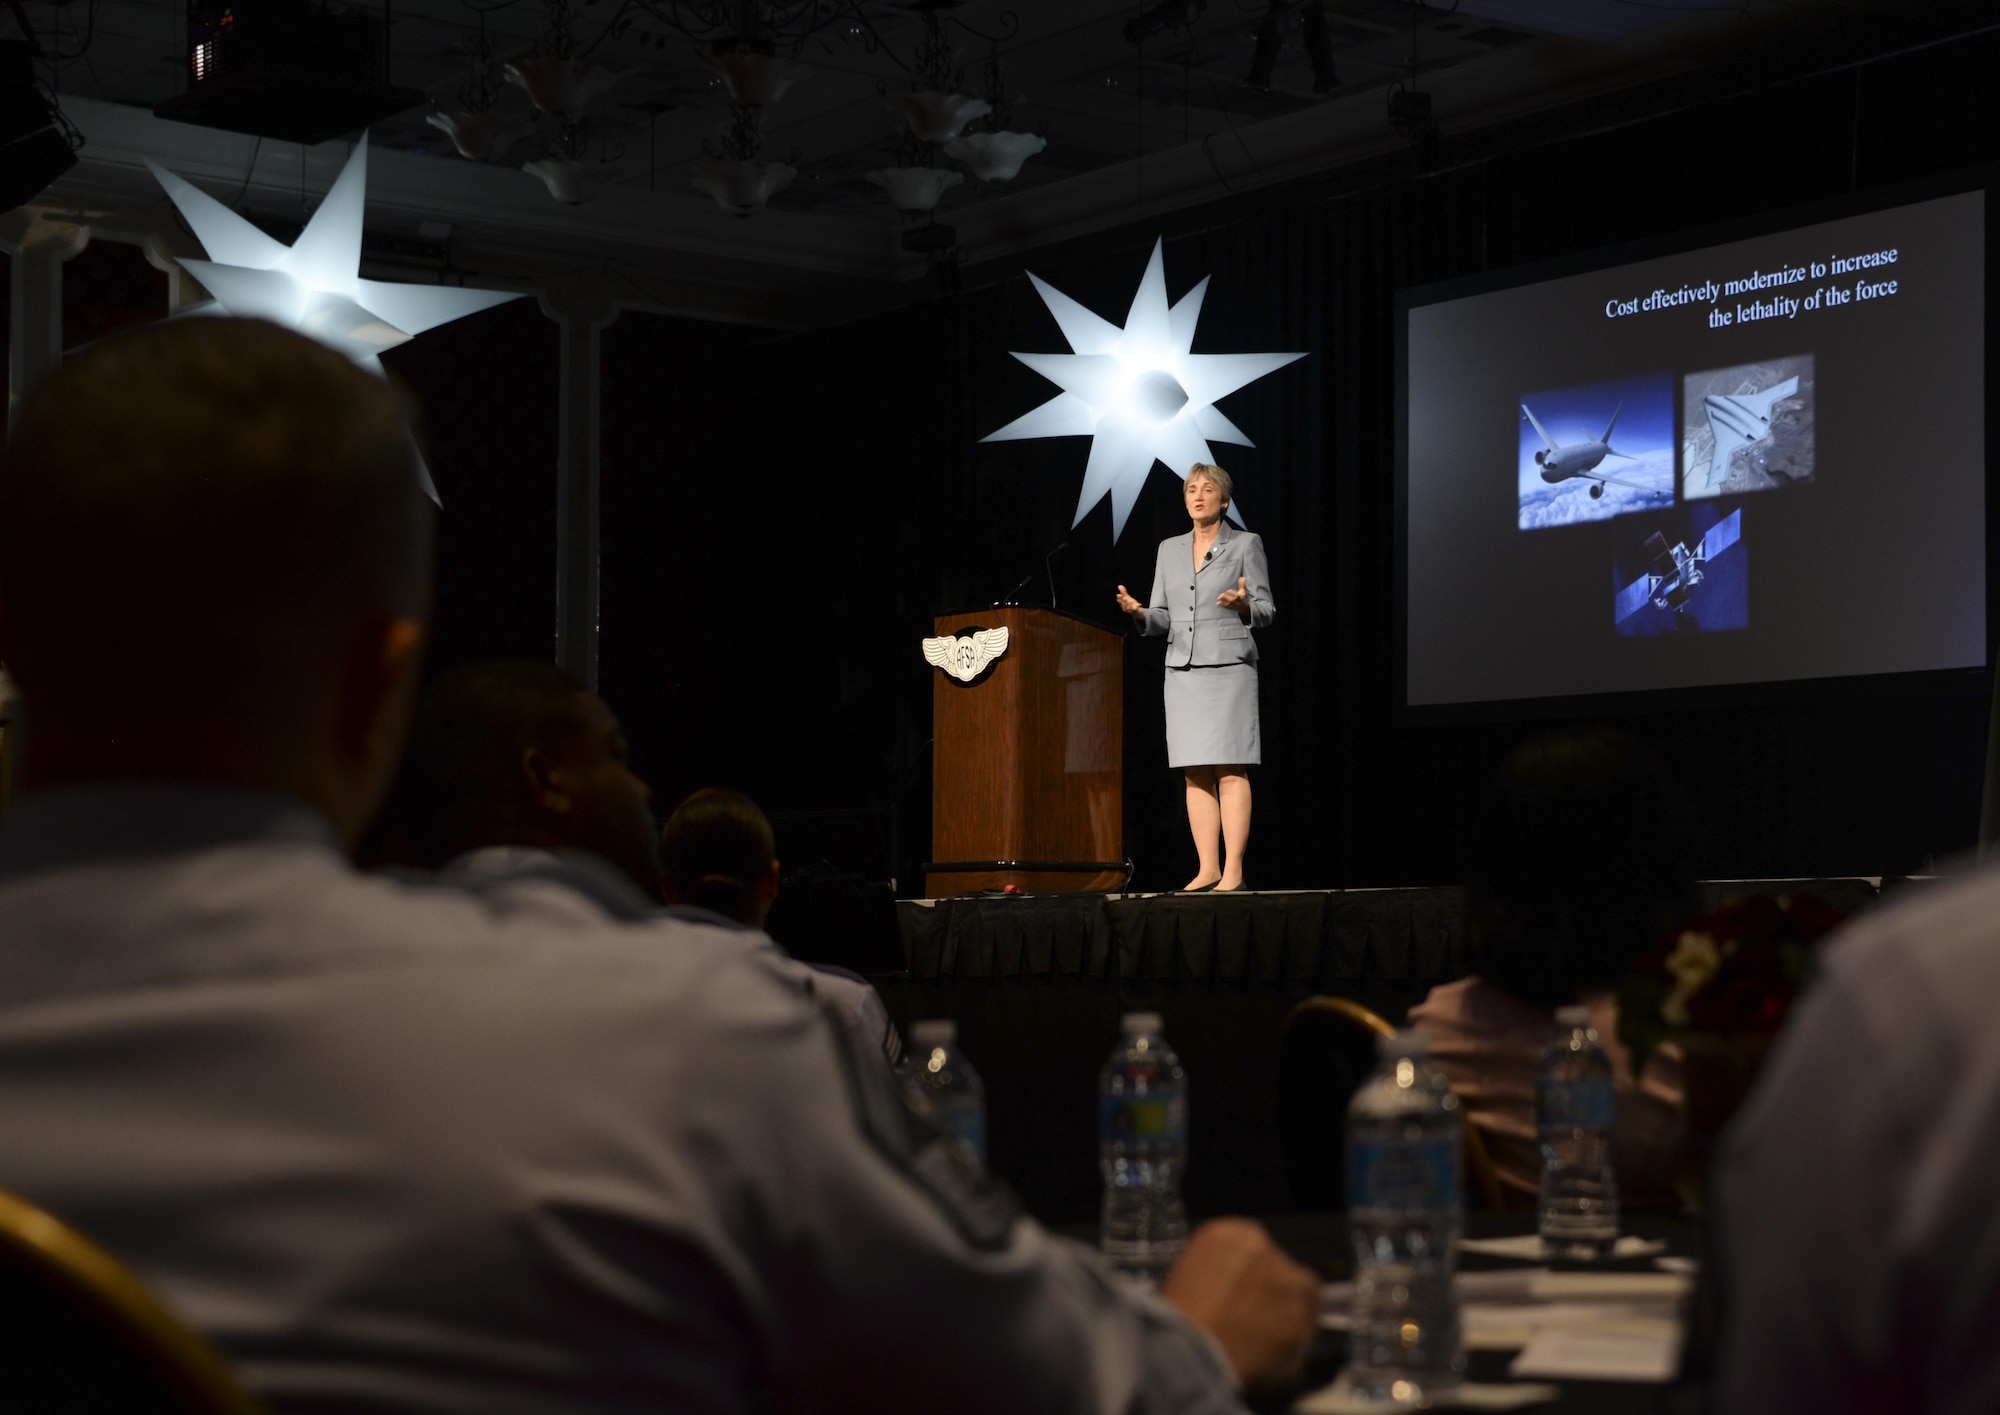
{"x":1036,"y":983}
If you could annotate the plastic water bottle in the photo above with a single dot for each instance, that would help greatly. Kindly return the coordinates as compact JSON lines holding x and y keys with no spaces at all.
{"x":1405,"y":1211}
{"x":1142,"y":1149}
{"x":949,"y":1090}
{"x":1574,"y":1110}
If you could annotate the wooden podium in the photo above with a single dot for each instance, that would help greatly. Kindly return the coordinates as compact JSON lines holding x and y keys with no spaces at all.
{"x":1028,"y":761}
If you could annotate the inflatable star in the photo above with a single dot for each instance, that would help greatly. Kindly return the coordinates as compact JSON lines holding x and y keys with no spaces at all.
{"x":314,"y":285}
{"x":1139,"y":392}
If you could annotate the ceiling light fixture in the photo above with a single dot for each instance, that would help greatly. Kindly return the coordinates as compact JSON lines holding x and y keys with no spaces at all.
{"x":1319,"y":47}
{"x":1166,"y":15}
{"x":1270,"y":39}
{"x":37,"y":145}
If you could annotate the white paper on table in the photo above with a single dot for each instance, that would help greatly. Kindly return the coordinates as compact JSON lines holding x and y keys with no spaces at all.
{"x":1610,"y":1287}
{"x":1586,"y":1354}
{"x":1527,"y":1247}
{"x":1339,"y":1399}
{"x":1511,"y":1326}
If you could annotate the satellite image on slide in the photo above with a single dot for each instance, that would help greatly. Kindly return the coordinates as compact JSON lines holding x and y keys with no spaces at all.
{"x":1748,"y":428}
{"x":1689,"y":574}
{"x":1596,"y":451}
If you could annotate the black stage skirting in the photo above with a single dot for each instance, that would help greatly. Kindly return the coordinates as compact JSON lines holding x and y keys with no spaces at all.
{"x":1037,"y":984}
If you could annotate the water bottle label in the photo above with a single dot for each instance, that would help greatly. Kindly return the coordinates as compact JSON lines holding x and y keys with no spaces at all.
{"x":1141,"y":1118}
{"x":1574,"y":1105}
{"x":967,"y":1126}
{"x":1401,"y":1175}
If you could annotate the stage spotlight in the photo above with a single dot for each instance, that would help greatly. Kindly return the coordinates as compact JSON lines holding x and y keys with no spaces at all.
{"x":1270,"y":38}
{"x":1166,"y":15}
{"x":1319,"y":47}
{"x":34,"y":143}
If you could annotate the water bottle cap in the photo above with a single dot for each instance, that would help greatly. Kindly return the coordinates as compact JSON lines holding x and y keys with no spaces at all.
{"x":1140,"y":1024}
{"x":1397,"y":1045}
{"x":934,"y":1032}
{"x":1572,"y":1016}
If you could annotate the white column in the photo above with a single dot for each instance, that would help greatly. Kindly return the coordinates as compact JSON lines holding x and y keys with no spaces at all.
{"x":581,"y":309}
{"x":38,"y":247}
{"x":164,"y":250}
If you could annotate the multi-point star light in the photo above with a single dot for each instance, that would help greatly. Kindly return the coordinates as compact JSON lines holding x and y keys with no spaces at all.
{"x":1139,"y":392}
{"x":314,"y":285}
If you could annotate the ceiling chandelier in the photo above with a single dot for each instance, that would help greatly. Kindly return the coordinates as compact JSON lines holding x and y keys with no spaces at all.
{"x":752,"y":49}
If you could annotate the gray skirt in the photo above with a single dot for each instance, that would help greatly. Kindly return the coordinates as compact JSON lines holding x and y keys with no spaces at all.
{"x":1212,"y":716}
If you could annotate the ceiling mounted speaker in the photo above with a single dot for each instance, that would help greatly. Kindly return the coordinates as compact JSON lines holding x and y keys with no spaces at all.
{"x":34,"y":145}
{"x":286,"y":69}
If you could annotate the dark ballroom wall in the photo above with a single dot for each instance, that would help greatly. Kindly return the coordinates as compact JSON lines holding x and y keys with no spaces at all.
{"x":785,"y":514}
{"x":487,"y":388}
{"x":487,"y":384}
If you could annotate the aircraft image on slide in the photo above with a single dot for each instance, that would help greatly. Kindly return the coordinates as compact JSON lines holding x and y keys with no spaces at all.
{"x":1748,"y":428}
{"x":1676,"y":573}
{"x":1741,"y":420}
{"x":1580,"y":459}
{"x":1568,"y":473}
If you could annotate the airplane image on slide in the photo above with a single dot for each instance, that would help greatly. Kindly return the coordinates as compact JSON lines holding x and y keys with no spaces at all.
{"x":1593,"y":451}
{"x":1764,"y":412}
{"x":1580,"y":459}
{"x":1740,"y":420}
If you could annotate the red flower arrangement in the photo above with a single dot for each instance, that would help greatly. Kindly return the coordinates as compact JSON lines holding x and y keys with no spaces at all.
{"x":1731,"y":973}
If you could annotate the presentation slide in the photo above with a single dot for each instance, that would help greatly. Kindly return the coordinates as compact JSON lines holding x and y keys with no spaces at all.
{"x":1757,"y":461}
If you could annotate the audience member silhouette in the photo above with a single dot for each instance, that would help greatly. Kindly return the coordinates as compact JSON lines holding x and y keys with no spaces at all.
{"x":516,"y":755}
{"x":515,"y":768}
{"x":1852,"y":1268}
{"x":1582,"y":860}
{"x":718,"y":852}
{"x":719,"y":861}
{"x":403,"y":1146}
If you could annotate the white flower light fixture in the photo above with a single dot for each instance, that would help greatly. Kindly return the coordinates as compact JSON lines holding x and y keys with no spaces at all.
{"x":915,"y":188}
{"x":314,"y":285}
{"x":756,"y":79}
{"x":995,"y":157}
{"x":938,"y":117}
{"x":479,"y":136}
{"x":1138,"y":393}
{"x":743,"y":185}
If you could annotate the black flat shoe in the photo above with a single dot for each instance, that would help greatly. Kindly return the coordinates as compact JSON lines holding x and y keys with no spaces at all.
{"x":1198,"y":889}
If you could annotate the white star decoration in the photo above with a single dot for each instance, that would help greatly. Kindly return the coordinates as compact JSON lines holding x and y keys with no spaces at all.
{"x":314,"y":285}
{"x":1137,"y":392}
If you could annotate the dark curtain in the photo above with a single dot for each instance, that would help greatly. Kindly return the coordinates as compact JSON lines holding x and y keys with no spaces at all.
{"x":785,"y":514}
{"x":487,"y":385}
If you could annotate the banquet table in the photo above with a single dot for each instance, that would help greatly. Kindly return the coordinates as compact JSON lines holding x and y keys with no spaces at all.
{"x":1320,"y":1241}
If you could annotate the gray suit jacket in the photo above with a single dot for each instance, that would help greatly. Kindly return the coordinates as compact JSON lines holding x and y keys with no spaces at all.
{"x":1201,"y":633}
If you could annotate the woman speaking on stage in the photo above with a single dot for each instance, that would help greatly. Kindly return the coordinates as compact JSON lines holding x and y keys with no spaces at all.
{"x":1211,"y":588}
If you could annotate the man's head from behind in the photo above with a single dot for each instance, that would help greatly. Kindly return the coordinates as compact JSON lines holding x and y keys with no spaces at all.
{"x":717,"y":850}
{"x":517,"y":754}
{"x":214,"y":565}
{"x":1583,"y":855}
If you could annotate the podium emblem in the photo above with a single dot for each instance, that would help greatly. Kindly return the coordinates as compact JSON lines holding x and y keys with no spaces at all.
{"x":966,"y":656}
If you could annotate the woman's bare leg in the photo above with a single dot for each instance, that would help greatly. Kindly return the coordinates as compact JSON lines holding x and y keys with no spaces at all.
{"x":1205,"y":821}
{"x":1233,"y":799}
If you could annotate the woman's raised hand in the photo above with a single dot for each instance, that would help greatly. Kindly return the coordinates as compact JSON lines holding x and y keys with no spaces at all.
{"x":1129,"y":604}
{"x":1236,"y":598}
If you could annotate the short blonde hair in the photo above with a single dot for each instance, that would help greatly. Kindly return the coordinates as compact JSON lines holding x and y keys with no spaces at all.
{"x":1208,"y":471}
